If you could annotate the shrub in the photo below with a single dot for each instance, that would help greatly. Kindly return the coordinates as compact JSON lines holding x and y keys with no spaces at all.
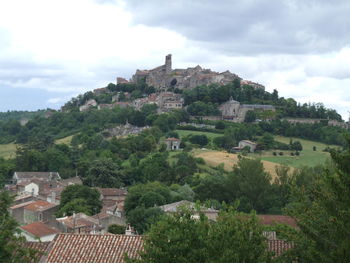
{"x":280,"y":153}
{"x":274,"y":154}
{"x":297,"y":153}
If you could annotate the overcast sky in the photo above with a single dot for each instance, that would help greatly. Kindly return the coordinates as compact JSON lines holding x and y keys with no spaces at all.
{"x":52,"y":50}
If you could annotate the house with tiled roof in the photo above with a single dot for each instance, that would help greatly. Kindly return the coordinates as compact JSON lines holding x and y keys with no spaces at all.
{"x":79,"y":223}
{"x":19,"y":177}
{"x":271,"y":220}
{"x":38,"y":231}
{"x":174,"y":207}
{"x":32,"y":211}
{"x":172,"y":144}
{"x":84,"y":248}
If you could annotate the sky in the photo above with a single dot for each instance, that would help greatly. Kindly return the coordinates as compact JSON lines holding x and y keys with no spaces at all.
{"x":52,"y":50}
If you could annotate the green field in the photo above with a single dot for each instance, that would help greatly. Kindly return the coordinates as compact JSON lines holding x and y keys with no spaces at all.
{"x":65,"y":140}
{"x":307,"y":157}
{"x":8,"y":151}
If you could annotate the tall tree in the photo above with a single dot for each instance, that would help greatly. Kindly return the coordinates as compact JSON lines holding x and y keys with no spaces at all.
{"x":11,"y":244}
{"x":322,"y":214}
{"x":183,"y":238}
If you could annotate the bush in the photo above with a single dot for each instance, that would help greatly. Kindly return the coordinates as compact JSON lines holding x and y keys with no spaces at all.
{"x":314,"y":148}
{"x":297,"y":153}
{"x":280,"y":153}
{"x":292,"y":154}
{"x":200,"y":160}
{"x":274,"y":154}
{"x":116,"y":229}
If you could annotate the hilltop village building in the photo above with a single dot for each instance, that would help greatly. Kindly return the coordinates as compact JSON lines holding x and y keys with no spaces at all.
{"x":234,"y":111}
{"x":164,"y":76}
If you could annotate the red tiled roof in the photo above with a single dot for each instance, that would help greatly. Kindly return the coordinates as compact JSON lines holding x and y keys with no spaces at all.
{"x":172,"y":139}
{"x":278,"y":246}
{"x":21,"y":205}
{"x":84,"y":248}
{"x":39,"y":205}
{"x":277,"y":219}
{"x":39,"y":247}
{"x":39,"y":229}
{"x":112,"y":191}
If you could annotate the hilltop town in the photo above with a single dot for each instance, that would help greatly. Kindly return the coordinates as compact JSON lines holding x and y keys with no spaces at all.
{"x":130,"y":167}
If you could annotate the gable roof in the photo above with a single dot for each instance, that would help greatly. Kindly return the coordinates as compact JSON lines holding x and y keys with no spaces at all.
{"x":277,"y":219}
{"x":173,"y":207}
{"x":39,"y":229}
{"x":172,"y":139}
{"x":83,"y":248}
{"x":72,"y":180}
{"x":112,"y":191}
{"x":39,"y":205}
{"x":28,"y":175}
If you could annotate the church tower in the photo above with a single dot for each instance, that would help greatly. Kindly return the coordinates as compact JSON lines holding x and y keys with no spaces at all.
{"x":168,"y":64}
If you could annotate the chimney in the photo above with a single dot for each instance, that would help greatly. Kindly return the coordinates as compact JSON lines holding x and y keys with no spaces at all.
{"x":128,"y":231}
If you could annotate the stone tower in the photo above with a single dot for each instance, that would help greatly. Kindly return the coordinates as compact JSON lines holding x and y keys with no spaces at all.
{"x":168,"y":64}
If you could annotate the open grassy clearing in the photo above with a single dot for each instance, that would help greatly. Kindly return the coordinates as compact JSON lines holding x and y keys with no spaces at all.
{"x":214,"y":158}
{"x":8,"y":151}
{"x":307,"y":157}
{"x":65,"y":140}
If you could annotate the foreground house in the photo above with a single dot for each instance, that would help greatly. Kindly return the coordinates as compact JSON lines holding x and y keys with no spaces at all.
{"x":82,"y":248}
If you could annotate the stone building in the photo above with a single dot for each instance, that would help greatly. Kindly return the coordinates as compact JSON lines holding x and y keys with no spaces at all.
{"x":172,"y":144}
{"x":246,"y":143}
{"x":165,"y":77}
{"x":234,"y":111}
{"x":38,"y":231}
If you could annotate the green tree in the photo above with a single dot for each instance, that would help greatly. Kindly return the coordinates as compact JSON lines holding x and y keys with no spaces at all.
{"x":79,"y":197}
{"x":104,"y":173}
{"x":181,"y":238}
{"x":116,"y":229}
{"x":11,"y":244}
{"x":250,"y":116}
{"x":322,"y":212}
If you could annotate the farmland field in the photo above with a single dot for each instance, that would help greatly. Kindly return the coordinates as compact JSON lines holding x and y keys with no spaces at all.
{"x":308,"y":157}
{"x":8,"y":151}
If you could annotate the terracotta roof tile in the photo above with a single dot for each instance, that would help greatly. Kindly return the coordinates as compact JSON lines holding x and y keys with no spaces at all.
{"x":172,"y":139}
{"x":39,"y":229}
{"x":112,"y":191}
{"x":277,"y":219}
{"x":39,"y":205}
{"x":87,"y":248}
{"x":278,"y":246}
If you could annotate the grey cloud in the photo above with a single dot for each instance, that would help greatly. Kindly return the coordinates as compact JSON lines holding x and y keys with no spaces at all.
{"x":252,"y":26}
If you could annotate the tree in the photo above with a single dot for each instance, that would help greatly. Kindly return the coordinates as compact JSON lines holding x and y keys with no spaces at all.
{"x":116,"y":229}
{"x":200,"y":139}
{"x":181,"y":238}
{"x":250,"y":116}
{"x":79,"y":198}
{"x":322,"y":212}
{"x":251,"y":184}
{"x":11,"y":244}
{"x":104,"y":173}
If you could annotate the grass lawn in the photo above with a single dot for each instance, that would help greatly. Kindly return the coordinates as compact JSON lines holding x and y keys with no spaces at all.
{"x":8,"y":151}
{"x":307,"y":157}
{"x":65,"y":140}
